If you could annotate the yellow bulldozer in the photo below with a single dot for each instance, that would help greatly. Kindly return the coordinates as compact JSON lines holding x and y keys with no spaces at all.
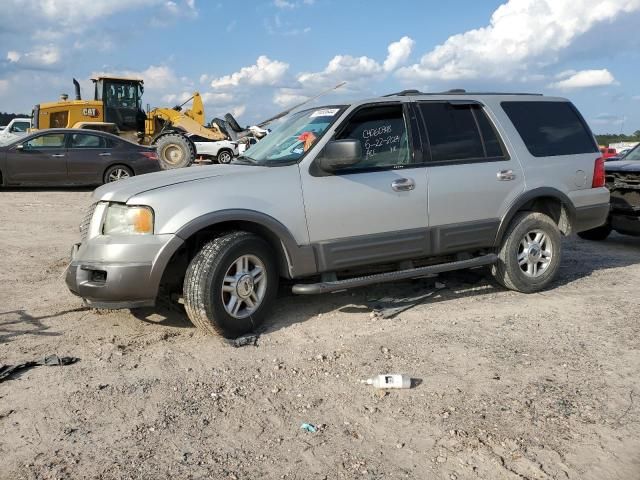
{"x":117,"y":108}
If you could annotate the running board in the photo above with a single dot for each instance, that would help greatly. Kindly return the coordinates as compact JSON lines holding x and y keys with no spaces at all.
{"x":326,"y":287}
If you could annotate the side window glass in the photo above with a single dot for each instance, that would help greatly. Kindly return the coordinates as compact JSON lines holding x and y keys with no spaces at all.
{"x":83,"y":140}
{"x":52,"y":140}
{"x":550,"y":128}
{"x":492,"y":145}
{"x":20,"y":127}
{"x":382,"y":133}
{"x":453,"y":132}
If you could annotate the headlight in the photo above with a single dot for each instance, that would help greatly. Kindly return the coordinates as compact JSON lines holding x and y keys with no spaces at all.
{"x":126,"y":220}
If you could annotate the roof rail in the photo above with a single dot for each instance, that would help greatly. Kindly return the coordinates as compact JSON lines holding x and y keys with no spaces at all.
{"x":455,"y":91}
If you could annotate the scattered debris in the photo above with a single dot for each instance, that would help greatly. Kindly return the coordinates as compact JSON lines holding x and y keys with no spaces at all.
{"x":308,"y":427}
{"x":390,"y":307}
{"x":6,"y":371}
{"x":244,"y":340}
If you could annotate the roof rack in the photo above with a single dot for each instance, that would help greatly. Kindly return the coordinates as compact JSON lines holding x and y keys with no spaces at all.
{"x":455,"y":91}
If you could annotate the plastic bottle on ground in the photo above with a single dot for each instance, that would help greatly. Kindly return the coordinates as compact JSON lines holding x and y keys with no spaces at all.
{"x":389,"y":381}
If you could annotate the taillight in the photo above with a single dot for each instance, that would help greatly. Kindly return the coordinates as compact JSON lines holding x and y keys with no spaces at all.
{"x":150,"y":155}
{"x":598,"y":174}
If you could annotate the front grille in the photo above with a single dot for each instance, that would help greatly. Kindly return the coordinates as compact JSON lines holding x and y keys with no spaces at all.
{"x":86,"y":222}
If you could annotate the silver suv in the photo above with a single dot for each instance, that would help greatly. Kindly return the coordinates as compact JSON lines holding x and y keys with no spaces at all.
{"x":407,"y":185}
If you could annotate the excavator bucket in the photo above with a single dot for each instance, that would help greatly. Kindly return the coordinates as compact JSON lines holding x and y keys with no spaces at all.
{"x":191,"y":126}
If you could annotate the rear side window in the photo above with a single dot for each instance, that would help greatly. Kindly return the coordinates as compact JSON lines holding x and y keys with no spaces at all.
{"x":550,"y":128}
{"x":83,"y":140}
{"x":459,"y":133}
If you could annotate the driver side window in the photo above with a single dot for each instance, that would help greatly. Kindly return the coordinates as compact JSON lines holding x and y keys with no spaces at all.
{"x":382,"y":133}
{"x":51,"y":140}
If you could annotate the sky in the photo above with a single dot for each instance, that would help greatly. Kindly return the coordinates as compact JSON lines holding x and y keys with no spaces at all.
{"x":257,"y":57}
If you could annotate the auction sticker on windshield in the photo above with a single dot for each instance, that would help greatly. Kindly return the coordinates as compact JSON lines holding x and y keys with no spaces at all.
{"x":325,"y":112}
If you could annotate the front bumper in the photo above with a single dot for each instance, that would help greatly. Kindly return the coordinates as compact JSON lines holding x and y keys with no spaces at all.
{"x":120,"y":272}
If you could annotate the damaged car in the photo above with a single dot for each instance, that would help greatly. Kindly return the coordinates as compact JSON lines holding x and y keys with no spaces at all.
{"x":623,"y":181}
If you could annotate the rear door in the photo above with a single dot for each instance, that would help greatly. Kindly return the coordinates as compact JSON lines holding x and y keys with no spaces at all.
{"x":472,"y":179}
{"x":41,"y":160}
{"x":88,"y":157}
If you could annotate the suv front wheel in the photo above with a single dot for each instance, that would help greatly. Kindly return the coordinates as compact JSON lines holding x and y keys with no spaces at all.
{"x":530,"y":253}
{"x":231,"y":284}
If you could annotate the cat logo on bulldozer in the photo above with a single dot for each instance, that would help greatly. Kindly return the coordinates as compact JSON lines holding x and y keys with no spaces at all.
{"x":90,"y":112}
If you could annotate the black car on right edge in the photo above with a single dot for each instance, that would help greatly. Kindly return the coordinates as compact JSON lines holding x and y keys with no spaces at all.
{"x":623,"y":181}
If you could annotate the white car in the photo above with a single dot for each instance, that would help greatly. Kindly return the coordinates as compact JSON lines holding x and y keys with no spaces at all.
{"x":17,"y":127}
{"x":222,"y":151}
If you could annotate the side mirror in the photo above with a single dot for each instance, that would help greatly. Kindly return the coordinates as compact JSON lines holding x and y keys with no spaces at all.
{"x":339,"y":154}
{"x":20,"y":147}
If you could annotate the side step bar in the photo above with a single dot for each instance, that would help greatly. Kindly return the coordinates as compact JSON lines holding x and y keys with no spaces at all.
{"x":326,"y":287}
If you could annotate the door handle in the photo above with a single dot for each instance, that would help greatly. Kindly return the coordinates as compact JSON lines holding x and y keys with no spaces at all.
{"x":57,"y":155}
{"x":403,"y":185}
{"x":106,"y":154}
{"x":506,"y":175}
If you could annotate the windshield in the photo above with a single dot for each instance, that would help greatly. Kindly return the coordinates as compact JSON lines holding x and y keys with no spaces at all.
{"x":633,"y":154}
{"x":296,"y":135}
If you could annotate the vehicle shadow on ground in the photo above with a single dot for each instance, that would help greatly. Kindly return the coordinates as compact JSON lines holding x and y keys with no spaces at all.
{"x":166,"y":313}
{"x":577,"y":263}
{"x":73,"y":188}
{"x":15,"y":323}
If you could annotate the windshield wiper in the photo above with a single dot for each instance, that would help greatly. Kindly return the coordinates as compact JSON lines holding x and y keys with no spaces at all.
{"x":244,"y":160}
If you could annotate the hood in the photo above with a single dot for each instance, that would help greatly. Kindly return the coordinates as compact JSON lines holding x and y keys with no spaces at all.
{"x":123,"y":190}
{"x":622,"y":166}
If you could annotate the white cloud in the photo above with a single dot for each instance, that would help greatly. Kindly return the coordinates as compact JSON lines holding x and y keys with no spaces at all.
{"x":219,"y":98}
{"x":4,"y":86}
{"x":291,"y":4}
{"x":608,"y":119}
{"x":584,"y":79}
{"x":238,"y":110}
{"x":521,"y":34}
{"x":159,"y":77}
{"x":398,"y":53}
{"x":41,"y":57}
{"x":264,"y":72}
{"x":287,"y":97}
{"x":349,"y":68}
{"x":283,"y":4}
{"x":13,"y":56}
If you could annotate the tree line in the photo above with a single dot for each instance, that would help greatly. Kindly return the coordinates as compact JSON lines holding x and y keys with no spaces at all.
{"x":607,"y":138}
{"x":6,"y":117}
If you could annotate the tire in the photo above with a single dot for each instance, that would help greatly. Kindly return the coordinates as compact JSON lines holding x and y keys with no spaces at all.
{"x":117,"y":172}
{"x":534,"y":274}
{"x":174,"y":151}
{"x":224,"y":156}
{"x":209,"y":306}
{"x":596,"y":234}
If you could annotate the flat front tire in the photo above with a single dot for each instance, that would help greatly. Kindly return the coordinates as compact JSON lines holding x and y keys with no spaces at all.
{"x":530,"y":253}
{"x":231,"y":284}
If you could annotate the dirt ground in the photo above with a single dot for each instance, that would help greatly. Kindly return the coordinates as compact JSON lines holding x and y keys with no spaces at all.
{"x":510,"y":386}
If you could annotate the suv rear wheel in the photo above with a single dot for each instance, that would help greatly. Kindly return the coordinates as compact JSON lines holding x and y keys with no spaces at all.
{"x":530,"y":253}
{"x":231,"y":284}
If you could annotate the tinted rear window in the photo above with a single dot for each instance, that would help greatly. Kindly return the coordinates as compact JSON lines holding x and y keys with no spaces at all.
{"x":550,"y":128}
